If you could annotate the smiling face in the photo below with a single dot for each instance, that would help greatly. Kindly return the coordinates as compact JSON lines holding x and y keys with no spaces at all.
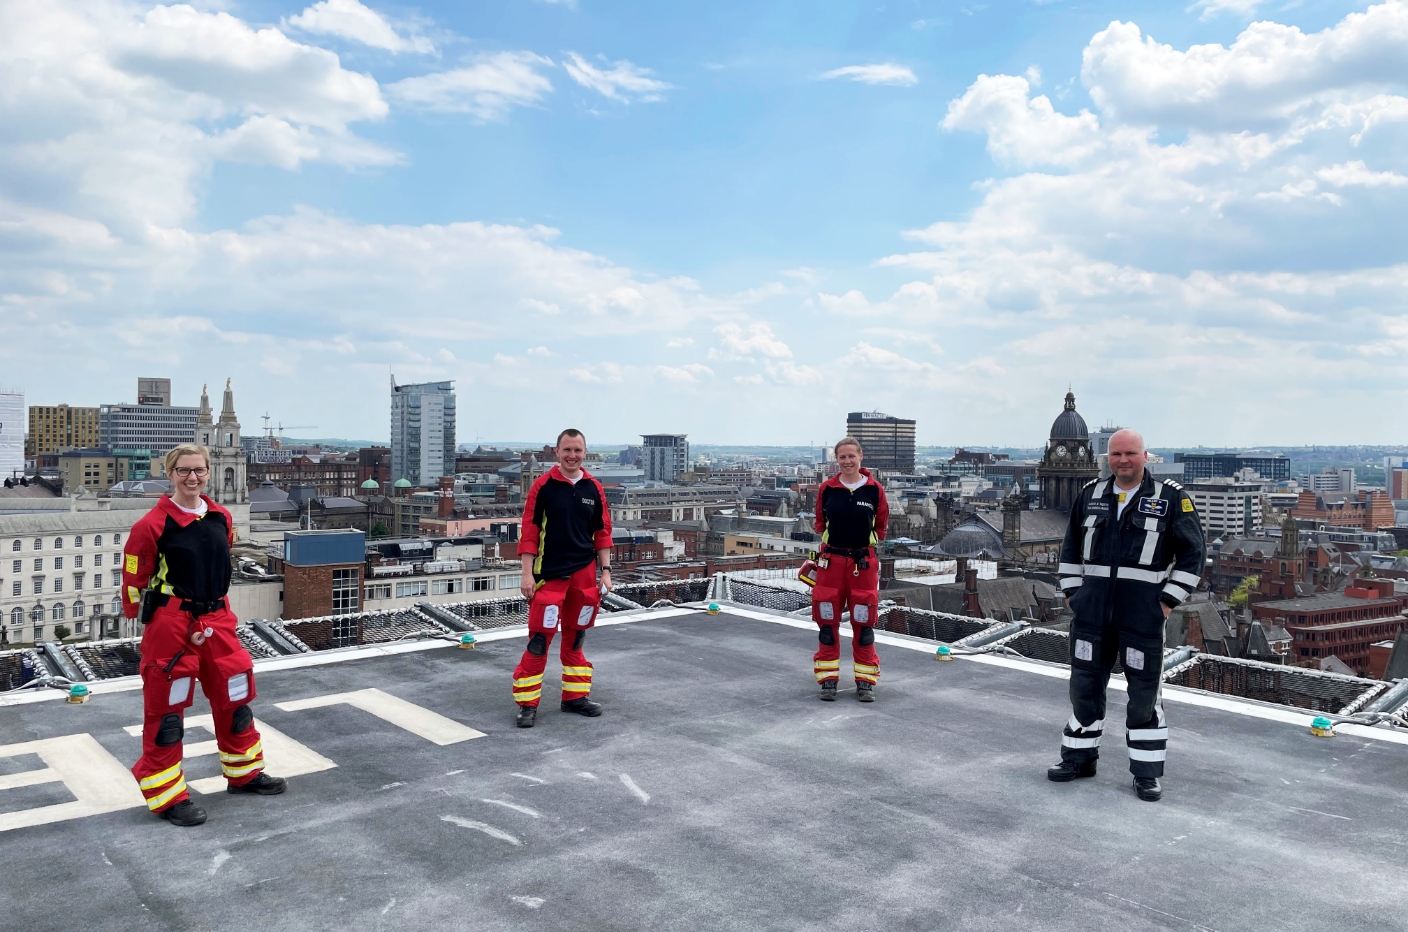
{"x":571,"y":451}
{"x":848,"y":457}
{"x":190,"y":474}
{"x":1127,"y":457}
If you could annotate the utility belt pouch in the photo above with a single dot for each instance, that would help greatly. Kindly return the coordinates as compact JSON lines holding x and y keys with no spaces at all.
{"x":151,"y":601}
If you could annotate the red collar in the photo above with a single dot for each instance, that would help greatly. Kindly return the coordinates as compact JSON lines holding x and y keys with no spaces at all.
{"x":835,"y":481}
{"x":556,"y":473}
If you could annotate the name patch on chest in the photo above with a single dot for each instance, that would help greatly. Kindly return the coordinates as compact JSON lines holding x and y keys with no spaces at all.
{"x":1098,"y":508}
{"x":866,"y":505}
{"x":1157,"y":507}
{"x":589,"y":502}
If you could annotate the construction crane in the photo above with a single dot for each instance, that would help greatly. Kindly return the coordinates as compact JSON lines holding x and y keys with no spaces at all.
{"x":294,"y":427}
{"x":269,"y":428}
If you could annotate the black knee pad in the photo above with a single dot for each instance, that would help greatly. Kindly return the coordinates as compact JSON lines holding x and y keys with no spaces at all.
{"x":866,"y":636}
{"x":242,"y":719}
{"x":581,"y":636}
{"x":171,"y":731}
{"x":537,"y":645}
{"x":827,"y":635}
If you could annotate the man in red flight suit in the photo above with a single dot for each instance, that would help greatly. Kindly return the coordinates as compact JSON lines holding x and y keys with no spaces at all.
{"x":566,"y":533}
{"x":180,"y":551}
{"x":851,"y":516}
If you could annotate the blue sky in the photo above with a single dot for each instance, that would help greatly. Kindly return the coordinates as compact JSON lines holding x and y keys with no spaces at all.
{"x":735,"y":220}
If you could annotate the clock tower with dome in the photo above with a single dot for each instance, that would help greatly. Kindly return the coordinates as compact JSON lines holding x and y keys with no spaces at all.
{"x":1069,"y":462}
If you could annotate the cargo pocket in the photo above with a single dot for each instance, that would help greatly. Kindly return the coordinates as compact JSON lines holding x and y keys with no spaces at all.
{"x":825,"y":604}
{"x":1086,"y":649}
{"x":236,"y":680}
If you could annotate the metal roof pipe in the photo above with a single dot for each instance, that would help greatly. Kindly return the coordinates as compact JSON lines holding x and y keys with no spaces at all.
{"x":1180,"y":655}
{"x":273,"y":638}
{"x":991,"y":635}
{"x":55,"y":657}
{"x":447,"y":618}
{"x":1395,"y":698}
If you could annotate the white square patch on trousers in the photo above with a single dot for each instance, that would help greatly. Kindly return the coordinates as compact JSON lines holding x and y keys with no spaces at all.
{"x":1084,"y":650}
{"x":584,"y":617}
{"x":826,"y":610}
{"x":860,"y":613}
{"x":238,"y":687}
{"x":550,"y":617}
{"x":180,"y":691}
{"x":1134,"y":659}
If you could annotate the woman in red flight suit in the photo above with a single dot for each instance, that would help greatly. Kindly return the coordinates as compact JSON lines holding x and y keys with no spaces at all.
{"x":179,"y":552}
{"x":851,"y":516}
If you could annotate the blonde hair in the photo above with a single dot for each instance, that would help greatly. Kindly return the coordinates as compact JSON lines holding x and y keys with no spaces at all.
{"x":848,"y":442}
{"x":185,"y":449}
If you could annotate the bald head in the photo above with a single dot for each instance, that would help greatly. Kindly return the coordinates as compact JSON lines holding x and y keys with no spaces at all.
{"x":1127,"y":458}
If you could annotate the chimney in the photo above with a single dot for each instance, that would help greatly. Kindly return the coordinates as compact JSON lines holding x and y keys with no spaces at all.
{"x":971,"y":608}
{"x":447,"y":497}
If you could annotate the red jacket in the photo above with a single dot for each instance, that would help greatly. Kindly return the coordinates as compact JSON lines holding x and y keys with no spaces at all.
{"x":852,"y":519}
{"x":167,"y":550}
{"x":564,"y":524}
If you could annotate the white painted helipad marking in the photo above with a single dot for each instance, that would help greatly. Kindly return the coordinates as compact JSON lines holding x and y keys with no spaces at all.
{"x":514,"y":806}
{"x":29,"y":778}
{"x":489,"y":830}
{"x":432,"y":726}
{"x":89,"y":772}
{"x":631,"y":785}
{"x":283,"y":756}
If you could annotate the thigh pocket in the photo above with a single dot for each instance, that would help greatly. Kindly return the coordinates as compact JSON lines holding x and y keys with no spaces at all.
{"x":235,"y":685}
{"x":1086,"y":649}
{"x":864,"y":607}
{"x":584,"y":612}
{"x":826,"y":604}
{"x":1142,"y":658}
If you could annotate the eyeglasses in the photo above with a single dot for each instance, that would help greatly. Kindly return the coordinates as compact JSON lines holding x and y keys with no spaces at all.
{"x":200,"y":472}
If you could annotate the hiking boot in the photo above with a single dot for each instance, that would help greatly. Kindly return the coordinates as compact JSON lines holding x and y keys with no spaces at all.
{"x":828,"y":691}
{"x":527,"y":715}
{"x":1066,"y":771}
{"x":262,"y":785}
{"x":582,"y":706}
{"x":1148,"y":789}
{"x":865,"y":692}
{"x":185,"y":814}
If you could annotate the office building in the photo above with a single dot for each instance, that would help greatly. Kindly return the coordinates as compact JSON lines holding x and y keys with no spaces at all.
{"x":1226,"y":507}
{"x":56,"y":428}
{"x":664,"y":457}
{"x":154,"y":425}
{"x":422,"y":432}
{"x":11,"y":434}
{"x":1198,"y":466}
{"x":888,"y":441}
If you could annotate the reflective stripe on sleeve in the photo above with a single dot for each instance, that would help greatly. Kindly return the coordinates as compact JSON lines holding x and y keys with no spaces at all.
{"x":1177,"y":592}
{"x":1148,"y":576}
{"x":1185,"y":579}
{"x":1095,"y":570}
{"x":1150,"y":756}
{"x":1071,"y":582}
{"x":1071,"y":569}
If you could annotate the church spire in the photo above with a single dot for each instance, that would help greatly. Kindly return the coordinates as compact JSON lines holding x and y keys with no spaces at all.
{"x":204,"y":403}
{"x":227,"y":409}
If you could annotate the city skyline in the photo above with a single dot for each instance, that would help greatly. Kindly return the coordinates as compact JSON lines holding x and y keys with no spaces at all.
{"x":575,"y":210}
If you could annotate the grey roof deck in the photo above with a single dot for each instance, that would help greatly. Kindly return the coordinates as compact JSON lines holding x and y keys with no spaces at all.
{"x":717,"y":793}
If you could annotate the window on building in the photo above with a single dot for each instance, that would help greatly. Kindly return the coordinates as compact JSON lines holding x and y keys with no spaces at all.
{"x":58,"y":563}
{"x":97,"y":540}
{"x":509,"y":581}
{"x":38,"y":544}
{"x":98,"y":559}
{"x":483,"y":583}
{"x":78,"y":627}
{"x":78,"y":609}
{"x":78,"y":562}
{"x":39,"y":585}
{"x":17,"y":616}
{"x":446,"y":586}
{"x":406,"y":589}
{"x":16,"y":588}
{"x":117,"y":577}
{"x":15,"y":545}
{"x":78,"y":580}
{"x":36,"y":614}
{"x":38,"y":564}
{"x":59,"y":584}
{"x":38,"y":633}
{"x":377,"y":591}
{"x":116,"y":539}
{"x":115,"y":607}
{"x":17,"y":566}
{"x":78,"y":541}
{"x":58,"y":543}
{"x":345,"y":589}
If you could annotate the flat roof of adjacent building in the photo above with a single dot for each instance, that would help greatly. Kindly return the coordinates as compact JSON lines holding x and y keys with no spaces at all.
{"x":1322,"y":602}
{"x":715,"y":792}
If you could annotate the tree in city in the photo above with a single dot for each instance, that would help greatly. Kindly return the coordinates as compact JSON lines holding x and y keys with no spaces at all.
{"x":1239,"y":596}
{"x":62,"y":632}
{"x":379,"y":529}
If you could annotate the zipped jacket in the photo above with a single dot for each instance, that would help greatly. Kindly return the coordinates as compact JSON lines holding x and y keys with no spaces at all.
{"x":564,"y":524}
{"x":178,"y":554}
{"x":851,"y":519}
{"x":1120,"y":568}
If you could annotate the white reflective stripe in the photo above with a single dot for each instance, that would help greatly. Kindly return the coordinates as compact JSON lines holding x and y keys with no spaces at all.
{"x":1185,"y":579}
{"x":1147,"y":734}
{"x":180,"y":691}
{"x":239,"y":687}
{"x":1177,"y":592}
{"x":1070,"y":569}
{"x":1101,"y":489}
{"x":1158,"y":492}
{"x":1090,"y":521}
{"x":1151,"y":541}
{"x":1071,"y":582}
{"x":1068,"y":742}
{"x":1148,"y":576}
{"x":1075,"y":725}
{"x":1137,"y":754}
{"x":1093,"y":570}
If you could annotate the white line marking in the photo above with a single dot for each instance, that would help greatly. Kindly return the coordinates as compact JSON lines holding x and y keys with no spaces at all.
{"x":283,"y":756}
{"x":528,"y":777}
{"x":221,"y":857}
{"x":1161,"y":913}
{"x":387,"y":908}
{"x":392,"y":786}
{"x":432,"y":726}
{"x":631,"y":785}
{"x":11,"y":781}
{"x":1318,"y":812}
{"x":585,"y":775}
{"x":453,"y":772}
{"x":532,"y":902}
{"x":97,"y":779}
{"x":489,"y":830}
{"x":514,"y":806}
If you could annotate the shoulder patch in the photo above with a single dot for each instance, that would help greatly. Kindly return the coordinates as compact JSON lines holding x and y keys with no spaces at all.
{"x":1171,"y":483}
{"x":1187,"y":505}
{"x":1091,"y":482}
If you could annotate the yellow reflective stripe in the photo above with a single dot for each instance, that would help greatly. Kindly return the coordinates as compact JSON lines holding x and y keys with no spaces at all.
{"x":576,"y":687}
{"x":866,"y":668}
{"x":576,"y":671}
{"x":542,"y":546}
{"x":251,"y":754}
{"x":242,"y":771}
{"x":157,"y":779}
{"x":527,"y":697}
{"x":828,"y":664}
{"x":822,"y":677}
{"x":156,"y":802}
{"x":528,"y":681}
{"x":867,"y":678}
{"x":133,"y":595}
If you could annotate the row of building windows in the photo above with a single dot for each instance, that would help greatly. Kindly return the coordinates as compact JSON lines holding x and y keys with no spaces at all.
{"x":17,"y":566}
{"x":38,"y":613}
{"x":418,"y":587}
{"x":59,"y":542}
{"x":37,"y":583}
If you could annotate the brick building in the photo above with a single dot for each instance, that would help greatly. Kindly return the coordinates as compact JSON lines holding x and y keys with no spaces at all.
{"x":329,"y":474}
{"x":1343,"y":624}
{"x":322,"y":572}
{"x":1365,"y":509}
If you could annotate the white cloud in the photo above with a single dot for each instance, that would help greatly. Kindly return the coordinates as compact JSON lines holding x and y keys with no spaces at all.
{"x":754,"y":340}
{"x":349,"y":19}
{"x":689,"y":374}
{"x":487,"y":89}
{"x":679,"y":342}
{"x":621,"y":81}
{"x":1212,"y":8}
{"x":897,"y":75}
{"x":1357,"y":173}
{"x":1021,"y":129}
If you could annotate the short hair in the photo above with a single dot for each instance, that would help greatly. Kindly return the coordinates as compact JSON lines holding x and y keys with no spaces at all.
{"x":185,"y":449}
{"x":571,"y":432}
{"x":848,"y":442}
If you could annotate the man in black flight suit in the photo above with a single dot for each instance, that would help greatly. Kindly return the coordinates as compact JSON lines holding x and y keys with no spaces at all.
{"x":1133,"y":552}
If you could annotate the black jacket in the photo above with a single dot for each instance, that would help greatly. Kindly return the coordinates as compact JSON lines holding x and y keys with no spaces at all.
{"x":564,"y":524}
{"x":1119,"y":570}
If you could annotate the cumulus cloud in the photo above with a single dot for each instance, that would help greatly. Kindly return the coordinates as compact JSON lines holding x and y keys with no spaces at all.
{"x":621,"y":81}
{"x":487,"y":89}
{"x":1210,"y":9}
{"x":1357,"y":173}
{"x":349,"y":19}
{"x":746,"y":342}
{"x":896,"y":75}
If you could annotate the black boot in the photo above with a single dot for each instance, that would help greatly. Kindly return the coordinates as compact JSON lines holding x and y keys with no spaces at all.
{"x":1066,"y":771}
{"x":185,"y":814}
{"x":582,"y":706}
{"x":1148,"y":789}
{"x":828,"y":691}
{"x":262,"y":785}
{"x":865,"y":692}
{"x":527,"y":715}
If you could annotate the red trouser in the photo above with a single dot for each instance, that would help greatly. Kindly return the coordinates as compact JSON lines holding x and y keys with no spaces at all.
{"x":842,"y":585}
{"x":171,"y":662}
{"x":572,"y":604}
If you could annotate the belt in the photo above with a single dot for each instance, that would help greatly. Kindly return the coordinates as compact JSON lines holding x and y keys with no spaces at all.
{"x":857,"y":553}
{"x":193,"y":608}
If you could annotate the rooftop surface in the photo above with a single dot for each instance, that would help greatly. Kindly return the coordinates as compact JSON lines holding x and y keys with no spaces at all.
{"x":1324,"y":601}
{"x":715,"y":793}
